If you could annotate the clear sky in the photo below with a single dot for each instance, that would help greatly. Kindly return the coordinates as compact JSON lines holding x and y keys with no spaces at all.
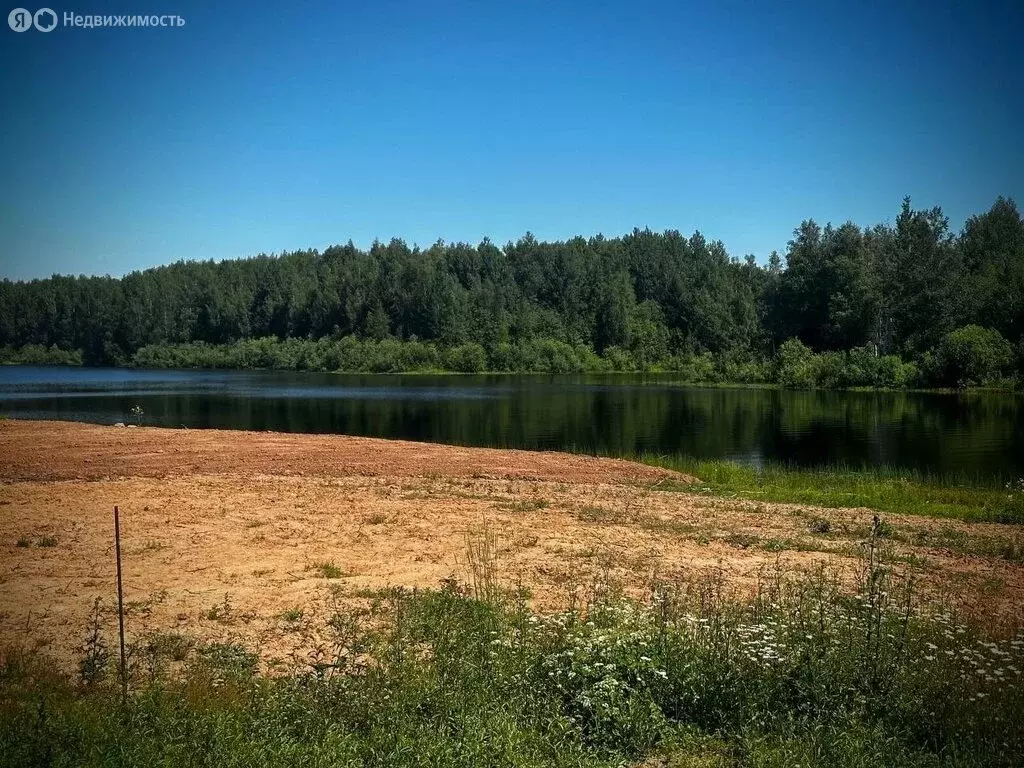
{"x":263,"y":127}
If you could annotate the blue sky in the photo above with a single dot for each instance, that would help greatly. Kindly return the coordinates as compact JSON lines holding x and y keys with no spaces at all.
{"x":295,"y":125}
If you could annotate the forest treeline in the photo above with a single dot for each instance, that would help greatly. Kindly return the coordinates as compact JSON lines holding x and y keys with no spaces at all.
{"x":894,"y":305}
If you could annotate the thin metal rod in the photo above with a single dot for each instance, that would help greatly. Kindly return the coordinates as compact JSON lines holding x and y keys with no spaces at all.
{"x":120,"y":604}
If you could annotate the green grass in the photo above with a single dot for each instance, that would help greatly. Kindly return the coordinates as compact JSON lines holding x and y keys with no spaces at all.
{"x":802,"y":674}
{"x":174,"y":646}
{"x":882,"y":489}
{"x":329,"y":570}
{"x":292,"y":615}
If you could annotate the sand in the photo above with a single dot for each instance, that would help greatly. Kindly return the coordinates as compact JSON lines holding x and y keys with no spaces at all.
{"x":225,"y":533}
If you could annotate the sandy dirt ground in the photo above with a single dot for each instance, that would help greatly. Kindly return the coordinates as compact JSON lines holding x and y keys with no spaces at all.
{"x":226,"y":535}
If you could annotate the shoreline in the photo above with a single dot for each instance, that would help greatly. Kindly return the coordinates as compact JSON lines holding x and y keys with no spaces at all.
{"x":267,"y":522}
{"x":1016,"y":391}
{"x":96,"y":451}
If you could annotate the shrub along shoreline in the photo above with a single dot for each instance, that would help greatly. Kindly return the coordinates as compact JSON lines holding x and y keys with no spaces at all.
{"x":883,"y":489}
{"x":968,"y":357}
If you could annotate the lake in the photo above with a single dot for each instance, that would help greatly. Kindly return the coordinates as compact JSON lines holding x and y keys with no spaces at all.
{"x":978,"y":434}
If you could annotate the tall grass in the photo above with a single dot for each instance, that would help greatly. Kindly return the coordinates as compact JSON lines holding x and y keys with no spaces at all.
{"x":886,"y":489}
{"x":809,"y":672}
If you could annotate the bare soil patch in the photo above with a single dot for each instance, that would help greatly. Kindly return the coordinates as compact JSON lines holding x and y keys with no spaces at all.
{"x":52,"y":450}
{"x":228,"y":535}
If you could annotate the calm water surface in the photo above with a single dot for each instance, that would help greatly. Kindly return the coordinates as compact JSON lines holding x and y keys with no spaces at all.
{"x":976,"y":434}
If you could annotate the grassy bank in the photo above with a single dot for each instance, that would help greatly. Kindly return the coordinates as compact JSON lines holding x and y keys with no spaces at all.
{"x":884,"y":489}
{"x":803,"y":674}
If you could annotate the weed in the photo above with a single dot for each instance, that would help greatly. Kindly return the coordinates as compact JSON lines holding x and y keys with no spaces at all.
{"x":742,"y":540}
{"x":602,"y":515}
{"x":92,"y":668}
{"x":136,"y":413}
{"x":221,"y":612}
{"x":171,"y":645}
{"x":292,"y":615}
{"x":777,"y":545}
{"x":227,"y":660}
{"x":819,"y":525}
{"x":328,"y":570}
{"x":480,"y":550}
{"x":24,"y":541}
{"x":47,"y":541}
{"x":881,"y":529}
{"x":526,"y":505}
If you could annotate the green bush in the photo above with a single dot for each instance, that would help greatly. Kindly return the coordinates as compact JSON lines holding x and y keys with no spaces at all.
{"x":701,"y":368}
{"x":620,"y":359}
{"x":973,"y":355}
{"x":970,"y":356}
{"x":795,"y":365}
{"x":466,"y":358}
{"x":743,"y":369}
{"x":893,"y":372}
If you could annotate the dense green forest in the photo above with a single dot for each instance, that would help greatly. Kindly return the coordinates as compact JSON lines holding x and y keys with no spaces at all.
{"x":900,"y":305}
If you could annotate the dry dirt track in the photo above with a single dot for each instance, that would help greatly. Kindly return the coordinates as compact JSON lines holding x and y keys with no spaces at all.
{"x":223,"y":532}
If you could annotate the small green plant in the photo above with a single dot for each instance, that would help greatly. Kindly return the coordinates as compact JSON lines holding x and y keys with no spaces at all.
{"x":328,"y":570}
{"x":819,"y":525}
{"x":47,"y":541}
{"x":24,"y":541}
{"x":221,"y":612}
{"x":596,"y":514}
{"x":136,"y":413}
{"x":528,"y":505}
{"x":480,"y":555}
{"x":292,"y":615}
{"x":777,"y":545}
{"x":227,"y":660}
{"x":92,"y":668}
{"x":742,"y":540}
{"x":170,"y":645}
{"x":881,"y":529}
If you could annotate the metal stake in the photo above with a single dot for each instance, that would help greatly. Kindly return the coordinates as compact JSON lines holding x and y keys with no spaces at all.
{"x":120,"y":605}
